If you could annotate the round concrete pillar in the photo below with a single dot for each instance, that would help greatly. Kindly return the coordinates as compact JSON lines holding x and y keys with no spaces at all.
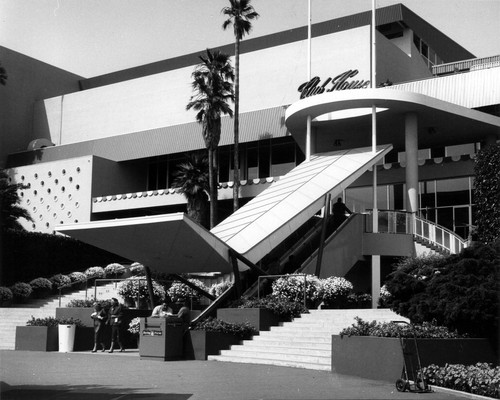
{"x":411,"y":147}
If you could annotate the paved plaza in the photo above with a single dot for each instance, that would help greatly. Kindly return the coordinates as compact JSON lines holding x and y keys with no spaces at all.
{"x":55,"y":376}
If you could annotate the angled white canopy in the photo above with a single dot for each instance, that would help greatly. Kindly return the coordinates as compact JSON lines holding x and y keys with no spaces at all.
{"x":170,"y":243}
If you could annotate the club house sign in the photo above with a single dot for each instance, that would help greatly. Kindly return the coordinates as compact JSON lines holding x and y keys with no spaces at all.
{"x":340,"y":82}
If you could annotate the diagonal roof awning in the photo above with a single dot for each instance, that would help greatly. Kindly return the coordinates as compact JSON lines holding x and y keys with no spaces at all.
{"x":170,"y":243}
{"x":265,"y":221}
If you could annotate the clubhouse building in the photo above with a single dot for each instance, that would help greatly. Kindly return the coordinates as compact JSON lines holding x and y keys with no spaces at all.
{"x":98,"y":155}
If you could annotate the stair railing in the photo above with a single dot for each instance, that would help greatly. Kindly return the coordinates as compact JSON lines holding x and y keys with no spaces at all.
{"x":390,"y":221}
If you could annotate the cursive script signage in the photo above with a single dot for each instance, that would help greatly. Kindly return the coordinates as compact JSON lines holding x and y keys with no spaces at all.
{"x":340,"y":82}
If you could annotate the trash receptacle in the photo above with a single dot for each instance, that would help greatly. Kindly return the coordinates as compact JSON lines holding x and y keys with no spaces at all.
{"x":66,"y":338}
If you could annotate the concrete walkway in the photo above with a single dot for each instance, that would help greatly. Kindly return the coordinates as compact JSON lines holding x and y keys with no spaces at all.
{"x":55,"y":376}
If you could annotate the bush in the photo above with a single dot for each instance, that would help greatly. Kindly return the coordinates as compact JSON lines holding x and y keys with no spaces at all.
{"x":390,"y":329}
{"x":95,"y":273}
{"x":359,"y":300}
{"x":137,"y":287}
{"x":60,"y":281}
{"x":458,"y":291}
{"x":42,"y":287}
{"x":481,"y":378}
{"x":284,"y":309}
{"x":385,"y":297}
{"x":291,"y":287}
{"x":85,"y":303}
{"x":333,"y":291}
{"x":51,"y":321}
{"x":21,"y":290}
{"x":114,"y":270}
{"x":134,"y":326}
{"x":77,"y":277}
{"x":5,"y":294}
{"x":243,"y":330}
{"x":179,"y":291}
{"x":218,"y":288}
{"x":136,"y":268}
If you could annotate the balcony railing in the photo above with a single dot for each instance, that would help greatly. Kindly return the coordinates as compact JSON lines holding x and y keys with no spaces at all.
{"x":406,"y":223}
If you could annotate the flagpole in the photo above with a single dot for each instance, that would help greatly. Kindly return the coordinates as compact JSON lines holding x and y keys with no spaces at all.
{"x":309,"y":37}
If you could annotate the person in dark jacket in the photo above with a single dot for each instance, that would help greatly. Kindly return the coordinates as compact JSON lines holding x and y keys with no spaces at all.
{"x":115,"y":320}
{"x":339,"y":211}
{"x":99,"y":316}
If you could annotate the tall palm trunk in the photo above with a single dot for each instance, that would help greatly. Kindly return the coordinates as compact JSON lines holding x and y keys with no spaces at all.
{"x":212,"y":178}
{"x":236,"y":187}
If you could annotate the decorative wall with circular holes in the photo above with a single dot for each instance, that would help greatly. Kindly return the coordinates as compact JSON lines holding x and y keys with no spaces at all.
{"x":64,"y":189}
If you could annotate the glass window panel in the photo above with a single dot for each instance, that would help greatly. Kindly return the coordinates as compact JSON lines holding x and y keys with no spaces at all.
{"x":264,"y":159}
{"x":453,"y":192}
{"x":152,"y":176}
{"x":162,"y":174}
{"x":445,"y":217}
{"x":224,"y":164}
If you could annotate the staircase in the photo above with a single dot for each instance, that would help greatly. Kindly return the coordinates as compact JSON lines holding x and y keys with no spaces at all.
{"x":304,"y":342}
{"x":19,"y":314}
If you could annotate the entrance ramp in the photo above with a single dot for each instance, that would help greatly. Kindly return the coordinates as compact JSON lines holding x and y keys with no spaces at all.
{"x":269,"y":218}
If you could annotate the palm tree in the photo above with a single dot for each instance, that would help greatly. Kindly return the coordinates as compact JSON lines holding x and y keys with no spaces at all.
{"x":213,"y":87}
{"x":191,"y":179}
{"x":240,"y":13}
{"x":9,"y":204}
{"x":3,"y":75}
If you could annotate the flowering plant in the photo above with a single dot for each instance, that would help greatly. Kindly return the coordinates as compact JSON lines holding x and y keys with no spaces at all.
{"x":385,"y":296}
{"x":134,"y":326}
{"x":137,"y":287}
{"x":179,"y":291}
{"x":242,"y":330}
{"x":41,"y":284}
{"x":334,"y":290}
{"x":218,"y":288}
{"x":21,"y":290}
{"x":95,"y":272}
{"x":51,"y":321}
{"x":284,"y":309}
{"x":114,"y":269}
{"x":291,"y":287}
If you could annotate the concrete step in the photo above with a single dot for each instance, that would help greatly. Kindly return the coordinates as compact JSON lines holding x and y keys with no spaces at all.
{"x":302,"y":343}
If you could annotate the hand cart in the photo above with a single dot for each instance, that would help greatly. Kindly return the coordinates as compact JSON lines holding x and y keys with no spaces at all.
{"x":404,"y":384}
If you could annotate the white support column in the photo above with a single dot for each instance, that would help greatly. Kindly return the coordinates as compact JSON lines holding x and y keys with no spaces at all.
{"x":411,"y":147}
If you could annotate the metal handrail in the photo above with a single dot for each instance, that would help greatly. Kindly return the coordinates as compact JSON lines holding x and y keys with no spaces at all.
{"x":402,"y":222}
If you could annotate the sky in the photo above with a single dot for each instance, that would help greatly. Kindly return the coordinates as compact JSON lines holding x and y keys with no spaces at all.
{"x":95,"y":37}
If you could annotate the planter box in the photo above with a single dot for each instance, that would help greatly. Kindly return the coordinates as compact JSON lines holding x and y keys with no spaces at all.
{"x":200,"y":344}
{"x":382,"y":358}
{"x":260,"y":318}
{"x":37,"y":338}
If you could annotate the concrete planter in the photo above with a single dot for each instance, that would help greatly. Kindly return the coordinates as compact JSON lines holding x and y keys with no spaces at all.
{"x":37,"y":338}
{"x":260,"y":318}
{"x":200,"y":344}
{"x":382,"y":358}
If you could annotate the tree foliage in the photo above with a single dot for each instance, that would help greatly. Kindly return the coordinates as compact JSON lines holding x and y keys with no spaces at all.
{"x":458,"y":291}
{"x":239,"y":15}
{"x":487,"y":194}
{"x":212,"y":86}
{"x":9,"y":203}
{"x":192,"y":180}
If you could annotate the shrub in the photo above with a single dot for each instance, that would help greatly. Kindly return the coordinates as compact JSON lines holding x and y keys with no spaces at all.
{"x":481,"y":378}
{"x":385,"y":297}
{"x":95,"y":273}
{"x":291,"y":287}
{"x":136,"y":268}
{"x":242,"y":330}
{"x":359,"y":300}
{"x":21,"y":290}
{"x":114,"y":269}
{"x":137,"y":287}
{"x":41,"y":284}
{"x":333,"y":291}
{"x":390,"y":329}
{"x":179,"y":291}
{"x":5,"y":294}
{"x":81,"y":303}
{"x":60,"y":281}
{"x":218,"y":288}
{"x":77,"y":277}
{"x":51,"y":321}
{"x":458,"y":291}
{"x":284,"y":309}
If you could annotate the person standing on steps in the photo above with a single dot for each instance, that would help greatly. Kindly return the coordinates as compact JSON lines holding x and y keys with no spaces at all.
{"x":115,"y":320}
{"x":340,"y":212}
{"x":99,"y":316}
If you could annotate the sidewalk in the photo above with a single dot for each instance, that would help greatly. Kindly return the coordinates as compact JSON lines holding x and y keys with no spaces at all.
{"x":124,"y":376}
